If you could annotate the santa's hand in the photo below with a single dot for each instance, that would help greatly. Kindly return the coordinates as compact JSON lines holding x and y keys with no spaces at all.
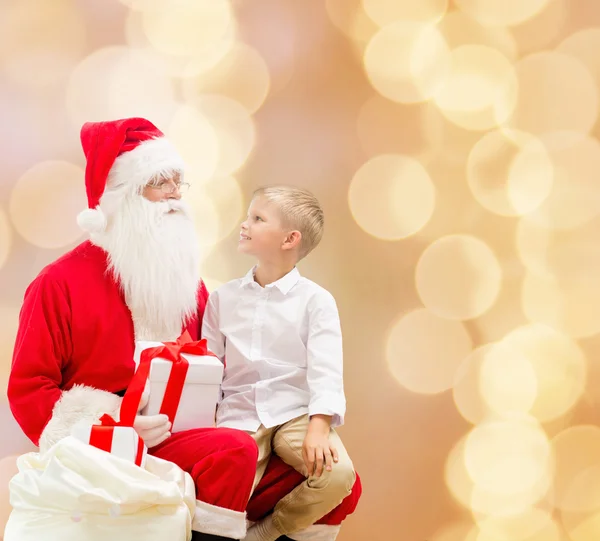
{"x":153,"y":429}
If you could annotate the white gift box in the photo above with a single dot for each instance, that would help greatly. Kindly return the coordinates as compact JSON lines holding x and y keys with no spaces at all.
{"x":200,"y":393}
{"x":123,"y":441}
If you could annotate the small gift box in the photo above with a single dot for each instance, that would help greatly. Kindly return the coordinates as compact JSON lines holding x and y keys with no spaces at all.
{"x":121,"y":441}
{"x":185,"y":381}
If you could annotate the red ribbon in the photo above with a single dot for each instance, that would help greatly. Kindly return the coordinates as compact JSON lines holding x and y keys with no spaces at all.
{"x":168,"y":351}
{"x":101,"y":436}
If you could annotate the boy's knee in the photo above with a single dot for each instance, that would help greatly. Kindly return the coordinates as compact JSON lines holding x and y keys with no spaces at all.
{"x":343,"y":479}
{"x":338,"y":482}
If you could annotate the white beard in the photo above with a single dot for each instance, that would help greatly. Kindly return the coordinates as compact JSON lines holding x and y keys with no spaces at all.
{"x":154,"y":256}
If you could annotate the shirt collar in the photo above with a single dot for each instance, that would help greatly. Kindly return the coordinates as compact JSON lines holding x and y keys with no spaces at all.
{"x":284,"y":284}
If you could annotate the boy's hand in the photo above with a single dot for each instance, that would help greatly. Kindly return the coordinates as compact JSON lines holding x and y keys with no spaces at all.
{"x":317,"y":450}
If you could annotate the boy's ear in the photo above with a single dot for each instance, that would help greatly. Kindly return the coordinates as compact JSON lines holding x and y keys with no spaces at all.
{"x":292,"y":240}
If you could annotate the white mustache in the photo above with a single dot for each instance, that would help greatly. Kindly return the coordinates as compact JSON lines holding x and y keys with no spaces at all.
{"x":173,"y":205}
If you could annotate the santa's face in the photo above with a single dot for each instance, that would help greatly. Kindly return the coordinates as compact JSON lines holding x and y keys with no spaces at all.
{"x":153,"y":252}
{"x":165,"y":187}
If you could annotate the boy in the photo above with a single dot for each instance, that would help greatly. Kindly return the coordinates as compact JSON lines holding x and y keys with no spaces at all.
{"x":281,"y":338}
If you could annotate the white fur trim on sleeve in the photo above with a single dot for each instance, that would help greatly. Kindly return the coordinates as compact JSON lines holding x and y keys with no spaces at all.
{"x":149,"y":159}
{"x":80,"y":404}
{"x":219,"y":521}
{"x":317,"y":532}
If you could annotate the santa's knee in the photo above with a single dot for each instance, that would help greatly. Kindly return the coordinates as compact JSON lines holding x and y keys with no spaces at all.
{"x":239,"y":450}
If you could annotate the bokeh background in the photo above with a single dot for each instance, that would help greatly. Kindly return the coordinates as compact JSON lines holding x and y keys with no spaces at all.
{"x":454,"y":146}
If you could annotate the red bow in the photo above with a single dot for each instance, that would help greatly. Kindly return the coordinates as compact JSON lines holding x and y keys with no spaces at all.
{"x":168,"y":351}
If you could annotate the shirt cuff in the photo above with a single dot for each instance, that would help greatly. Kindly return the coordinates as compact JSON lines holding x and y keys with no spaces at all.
{"x":329,"y":405}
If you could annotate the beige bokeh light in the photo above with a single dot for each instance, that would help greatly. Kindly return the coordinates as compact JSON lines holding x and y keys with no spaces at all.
{"x":179,"y":26}
{"x":510,"y":174}
{"x":466,"y":392}
{"x":9,"y":323}
{"x":581,"y":526}
{"x":501,"y":12}
{"x":350,"y":18}
{"x":454,"y":531}
{"x":391,"y":197}
{"x":574,"y":198}
{"x":494,"y":380}
{"x":186,"y":63}
{"x":241,"y":75}
{"x":507,"y":380}
{"x":384,"y":12}
{"x":234,"y":129}
{"x":118,"y":82}
{"x":407,"y":61}
{"x":134,"y":4}
{"x":571,"y":307}
{"x":212,"y":284}
{"x":49,"y":36}
{"x":556,"y":92}
{"x":508,"y":456}
{"x":459,"y":29}
{"x":470,"y":282}
{"x":568,"y":257}
{"x":560,"y":367}
{"x":206,"y":221}
{"x":456,"y":476}
{"x":8,"y":469}
{"x":5,"y":237}
{"x":218,"y":207}
{"x":197,"y":141}
{"x":582,"y":45}
{"x":576,"y":486}
{"x":419,"y":363}
{"x":480,"y":91}
{"x":488,"y":501}
{"x":45,"y":201}
{"x":544,"y":30}
{"x":386,"y":127}
{"x":506,"y":314}
{"x":560,"y":287}
{"x":532,"y":525}
{"x":533,"y":242}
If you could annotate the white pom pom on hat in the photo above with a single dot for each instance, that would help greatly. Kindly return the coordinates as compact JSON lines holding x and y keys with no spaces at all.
{"x":92,"y":220}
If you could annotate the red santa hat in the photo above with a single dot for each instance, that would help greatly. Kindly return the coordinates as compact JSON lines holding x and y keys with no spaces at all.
{"x":122,"y":153}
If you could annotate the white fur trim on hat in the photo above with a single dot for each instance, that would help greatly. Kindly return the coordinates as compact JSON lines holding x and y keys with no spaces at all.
{"x":149,"y":159}
{"x":221,"y":521}
{"x":92,"y":220}
{"x":79,"y":404}
{"x":317,"y":532}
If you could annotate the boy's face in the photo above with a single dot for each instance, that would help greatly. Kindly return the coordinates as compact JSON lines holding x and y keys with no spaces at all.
{"x":261,"y":233}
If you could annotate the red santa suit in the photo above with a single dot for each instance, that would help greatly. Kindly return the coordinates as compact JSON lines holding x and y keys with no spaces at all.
{"x":73,"y":359}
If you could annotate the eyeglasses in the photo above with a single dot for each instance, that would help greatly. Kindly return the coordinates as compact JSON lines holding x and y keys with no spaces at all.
{"x":170,"y":187}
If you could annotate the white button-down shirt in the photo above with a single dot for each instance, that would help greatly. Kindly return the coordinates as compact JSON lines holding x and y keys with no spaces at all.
{"x":282,"y":348}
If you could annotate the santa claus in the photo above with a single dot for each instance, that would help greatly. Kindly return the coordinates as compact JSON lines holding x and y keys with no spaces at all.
{"x":137,"y":277}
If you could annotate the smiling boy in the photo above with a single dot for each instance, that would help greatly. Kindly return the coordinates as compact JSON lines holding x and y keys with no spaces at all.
{"x":280,"y":335}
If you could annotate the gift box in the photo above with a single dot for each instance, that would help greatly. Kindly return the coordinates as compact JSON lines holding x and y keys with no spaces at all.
{"x":121,"y":441}
{"x":185,"y":382}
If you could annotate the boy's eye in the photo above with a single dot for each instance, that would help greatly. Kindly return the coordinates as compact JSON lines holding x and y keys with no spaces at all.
{"x":258,"y":218}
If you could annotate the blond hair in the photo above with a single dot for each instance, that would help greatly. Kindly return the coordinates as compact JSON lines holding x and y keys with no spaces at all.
{"x":299,"y":210}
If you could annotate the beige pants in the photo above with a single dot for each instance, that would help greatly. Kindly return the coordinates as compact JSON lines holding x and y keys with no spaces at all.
{"x":315,"y":497}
